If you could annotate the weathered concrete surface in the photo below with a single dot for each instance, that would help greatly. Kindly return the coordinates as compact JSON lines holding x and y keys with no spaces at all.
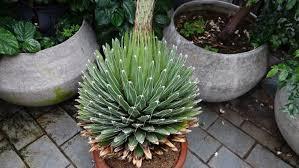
{"x":221,"y":77}
{"x":49,"y":76}
{"x":289,"y":127}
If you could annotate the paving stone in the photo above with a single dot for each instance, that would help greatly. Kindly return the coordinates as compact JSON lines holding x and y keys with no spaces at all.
{"x":7,"y":110}
{"x":44,"y":154}
{"x":273,"y":143}
{"x":38,"y":111}
{"x":21,"y":129}
{"x":1,"y":135}
{"x":232,"y":116}
{"x":193,"y":162}
{"x":207,"y":117}
{"x":70,"y":166}
{"x":289,"y":155}
{"x":69,"y":107}
{"x":260,"y":113}
{"x":202,"y":144}
{"x":59,"y":125}
{"x":260,"y":157}
{"x":77,"y":149}
{"x":227,"y":159}
{"x":8,"y":157}
{"x":231,"y":136}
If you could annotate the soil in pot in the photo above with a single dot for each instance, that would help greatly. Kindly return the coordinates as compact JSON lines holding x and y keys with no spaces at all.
{"x":167,"y":160}
{"x":203,"y":27}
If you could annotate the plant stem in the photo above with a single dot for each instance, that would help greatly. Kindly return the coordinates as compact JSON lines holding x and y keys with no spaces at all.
{"x":144,"y":15}
{"x":231,"y":26}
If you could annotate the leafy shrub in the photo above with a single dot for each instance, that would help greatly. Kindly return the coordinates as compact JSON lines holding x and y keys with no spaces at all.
{"x":18,"y":36}
{"x":137,"y":100}
{"x":23,"y":36}
{"x":193,"y":27}
{"x":288,"y":75}
{"x":115,"y":17}
{"x":278,"y":25}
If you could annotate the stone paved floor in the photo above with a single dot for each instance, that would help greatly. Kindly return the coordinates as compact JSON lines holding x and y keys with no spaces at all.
{"x":238,"y":134}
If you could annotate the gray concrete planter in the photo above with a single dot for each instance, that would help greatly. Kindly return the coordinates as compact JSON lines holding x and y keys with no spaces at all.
{"x":221,"y":77}
{"x":49,"y":76}
{"x":289,"y":127}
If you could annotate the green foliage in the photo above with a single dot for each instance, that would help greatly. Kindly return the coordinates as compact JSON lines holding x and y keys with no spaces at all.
{"x":31,"y":46}
{"x":288,"y":75}
{"x":207,"y":47}
{"x":69,"y":32}
{"x":115,"y":17}
{"x":47,"y":42}
{"x":193,"y":27}
{"x":24,"y":30}
{"x":278,"y":25}
{"x":18,"y":36}
{"x":139,"y":95}
{"x":8,"y":43}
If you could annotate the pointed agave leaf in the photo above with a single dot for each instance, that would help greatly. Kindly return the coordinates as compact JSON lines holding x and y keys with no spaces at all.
{"x":133,"y":112}
{"x":119,"y":140}
{"x":144,"y":118}
{"x":128,"y":130}
{"x":162,"y":131}
{"x":138,"y":151}
{"x":151,"y":137}
{"x":132,"y":143}
{"x":140,"y":136}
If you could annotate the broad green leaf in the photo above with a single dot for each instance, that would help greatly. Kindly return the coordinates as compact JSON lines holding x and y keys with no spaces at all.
{"x":283,"y":75}
{"x":296,"y":54}
{"x":117,"y":17}
{"x":291,"y":4}
{"x":8,"y":43}
{"x":31,"y":45}
{"x":272,"y":72}
{"x":24,"y":30}
{"x":129,"y":8}
{"x":7,"y":23}
{"x":102,"y":17}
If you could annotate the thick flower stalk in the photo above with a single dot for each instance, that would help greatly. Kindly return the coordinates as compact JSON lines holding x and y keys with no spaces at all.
{"x":139,"y":100}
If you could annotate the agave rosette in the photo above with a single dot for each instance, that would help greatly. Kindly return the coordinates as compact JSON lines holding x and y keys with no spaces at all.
{"x":139,"y":100}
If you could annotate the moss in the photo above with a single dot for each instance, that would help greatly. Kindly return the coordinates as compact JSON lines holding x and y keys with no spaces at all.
{"x":59,"y":96}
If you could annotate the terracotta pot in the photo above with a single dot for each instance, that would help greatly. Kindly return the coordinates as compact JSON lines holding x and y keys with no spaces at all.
{"x":100,"y":163}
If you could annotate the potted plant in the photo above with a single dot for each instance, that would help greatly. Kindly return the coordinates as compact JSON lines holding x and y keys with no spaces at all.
{"x":139,"y":102}
{"x":36,"y":70}
{"x":287,"y":101}
{"x":282,"y":30}
{"x":218,"y":45}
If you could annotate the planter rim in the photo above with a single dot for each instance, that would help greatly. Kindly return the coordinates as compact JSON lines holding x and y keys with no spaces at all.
{"x":84,"y":22}
{"x":191,"y":3}
{"x":100,"y":163}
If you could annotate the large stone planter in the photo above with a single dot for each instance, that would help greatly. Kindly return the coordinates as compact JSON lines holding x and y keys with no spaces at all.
{"x":289,"y":127}
{"x":221,"y":77}
{"x":49,"y":76}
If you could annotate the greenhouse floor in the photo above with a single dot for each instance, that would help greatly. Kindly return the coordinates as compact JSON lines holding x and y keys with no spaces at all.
{"x":236,"y":134}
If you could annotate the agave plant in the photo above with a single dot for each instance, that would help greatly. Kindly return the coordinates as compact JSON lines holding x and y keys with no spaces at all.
{"x":138,"y":100}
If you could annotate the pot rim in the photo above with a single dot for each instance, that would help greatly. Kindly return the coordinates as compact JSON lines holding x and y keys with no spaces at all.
{"x":100,"y":163}
{"x":213,"y":2}
{"x":84,"y":22}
